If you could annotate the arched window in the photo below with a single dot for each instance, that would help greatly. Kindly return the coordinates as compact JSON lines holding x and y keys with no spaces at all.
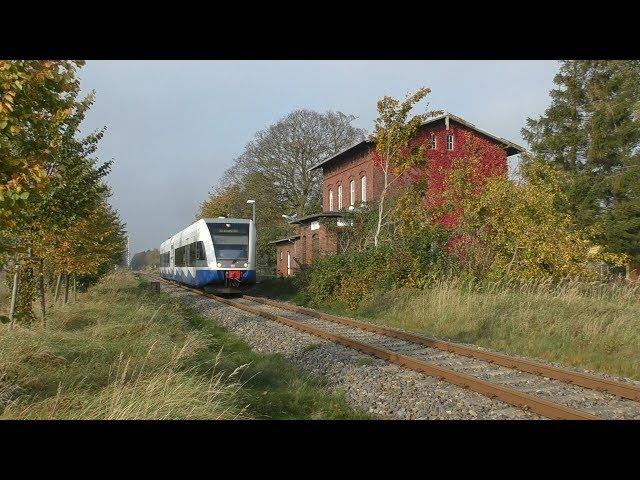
{"x":352,"y":192}
{"x":330,"y":200}
{"x":339,"y":197}
{"x":363,"y":188}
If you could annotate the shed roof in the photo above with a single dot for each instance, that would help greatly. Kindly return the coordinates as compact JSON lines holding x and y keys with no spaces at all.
{"x":286,"y":239}
{"x":313,"y":216}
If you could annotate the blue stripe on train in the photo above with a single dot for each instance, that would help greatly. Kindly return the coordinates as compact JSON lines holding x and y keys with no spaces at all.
{"x":206,"y":277}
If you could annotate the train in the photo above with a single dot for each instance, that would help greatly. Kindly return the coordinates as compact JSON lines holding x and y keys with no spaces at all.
{"x":215,"y":254}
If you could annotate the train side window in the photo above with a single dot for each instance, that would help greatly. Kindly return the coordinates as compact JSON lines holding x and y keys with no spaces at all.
{"x":200,"y":255}
{"x":192,"y":254}
{"x":180,"y":257}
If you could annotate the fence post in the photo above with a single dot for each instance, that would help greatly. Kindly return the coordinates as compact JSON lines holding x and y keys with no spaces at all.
{"x":14,"y":294}
{"x":66,"y":287}
{"x":42,"y":297}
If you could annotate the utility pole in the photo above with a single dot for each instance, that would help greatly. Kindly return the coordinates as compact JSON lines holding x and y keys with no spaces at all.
{"x":128,"y":254}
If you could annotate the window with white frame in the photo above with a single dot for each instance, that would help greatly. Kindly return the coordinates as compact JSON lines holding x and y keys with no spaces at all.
{"x":432,"y":143}
{"x":339,"y":197}
{"x":281,"y":255}
{"x":363,"y":188}
{"x":352,"y":192}
{"x":450,"y":142}
{"x":330,"y":200}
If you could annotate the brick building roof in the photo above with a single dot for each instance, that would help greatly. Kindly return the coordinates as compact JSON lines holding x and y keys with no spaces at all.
{"x":510,"y":147}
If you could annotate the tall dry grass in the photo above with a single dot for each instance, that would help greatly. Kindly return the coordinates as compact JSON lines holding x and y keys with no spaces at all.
{"x":125,"y":352}
{"x":113,"y":355}
{"x":593,"y":325}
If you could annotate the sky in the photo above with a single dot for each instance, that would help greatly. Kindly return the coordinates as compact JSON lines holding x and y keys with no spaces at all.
{"x":173,"y":127}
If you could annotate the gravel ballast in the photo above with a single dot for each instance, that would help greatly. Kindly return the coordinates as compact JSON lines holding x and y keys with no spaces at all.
{"x":385,"y":390}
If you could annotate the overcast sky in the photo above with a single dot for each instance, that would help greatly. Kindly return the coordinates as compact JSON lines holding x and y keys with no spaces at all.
{"x":173,"y":127}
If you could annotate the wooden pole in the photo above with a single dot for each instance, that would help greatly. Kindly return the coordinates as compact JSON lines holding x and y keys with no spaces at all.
{"x":43,"y":302}
{"x":14,"y":295}
{"x":58,"y":282}
{"x":66,"y":287}
{"x":75,"y":293}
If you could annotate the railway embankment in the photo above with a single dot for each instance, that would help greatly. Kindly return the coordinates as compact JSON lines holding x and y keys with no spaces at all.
{"x":124,"y":351}
{"x":502,"y":381}
{"x":591,"y":327}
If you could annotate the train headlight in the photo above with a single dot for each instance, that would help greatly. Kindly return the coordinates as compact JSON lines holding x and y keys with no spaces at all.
{"x":246,"y":265}
{"x":219,"y":264}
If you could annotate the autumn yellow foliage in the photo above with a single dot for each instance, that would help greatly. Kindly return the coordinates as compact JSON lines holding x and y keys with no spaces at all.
{"x":515,"y":229}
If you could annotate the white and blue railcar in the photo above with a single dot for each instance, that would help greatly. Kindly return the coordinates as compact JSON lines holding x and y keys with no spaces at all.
{"x":212,"y":251}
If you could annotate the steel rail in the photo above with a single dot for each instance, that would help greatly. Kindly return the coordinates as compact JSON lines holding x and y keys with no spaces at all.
{"x":513,"y":397}
{"x":630,"y":392}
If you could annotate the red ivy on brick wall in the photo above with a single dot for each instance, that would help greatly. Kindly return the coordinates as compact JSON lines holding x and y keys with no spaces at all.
{"x":482,"y":156}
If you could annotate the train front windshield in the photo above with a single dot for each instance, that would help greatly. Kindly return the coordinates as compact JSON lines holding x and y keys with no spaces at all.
{"x":230,"y":241}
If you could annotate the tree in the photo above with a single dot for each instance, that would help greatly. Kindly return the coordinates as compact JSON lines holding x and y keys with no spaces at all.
{"x":592,"y":131}
{"x":36,"y":97}
{"x":286,"y":150}
{"x":273,"y":170}
{"x":397,"y":152}
{"x":49,"y":182}
{"x":517,"y":229}
{"x":148,"y":258}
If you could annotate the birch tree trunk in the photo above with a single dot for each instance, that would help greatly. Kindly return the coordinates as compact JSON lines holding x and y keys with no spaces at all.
{"x":383,"y":195}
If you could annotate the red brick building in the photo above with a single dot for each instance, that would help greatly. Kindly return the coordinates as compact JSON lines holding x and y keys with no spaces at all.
{"x":350,"y":178}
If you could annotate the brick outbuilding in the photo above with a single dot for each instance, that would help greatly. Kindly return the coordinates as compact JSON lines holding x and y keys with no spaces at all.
{"x":351,"y":178}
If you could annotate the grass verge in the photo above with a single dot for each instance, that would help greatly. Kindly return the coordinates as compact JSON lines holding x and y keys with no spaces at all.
{"x":592,"y":326}
{"x":125,"y":352}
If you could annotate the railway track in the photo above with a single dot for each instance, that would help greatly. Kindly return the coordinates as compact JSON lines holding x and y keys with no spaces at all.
{"x":542,"y":389}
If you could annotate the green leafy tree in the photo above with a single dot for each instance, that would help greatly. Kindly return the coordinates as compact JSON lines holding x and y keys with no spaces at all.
{"x":49,"y":182}
{"x":36,"y":98}
{"x":592,"y":131}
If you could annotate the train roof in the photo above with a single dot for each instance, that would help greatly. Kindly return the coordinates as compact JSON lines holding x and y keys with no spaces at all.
{"x":225,"y":220}
{"x":206,"y":220}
